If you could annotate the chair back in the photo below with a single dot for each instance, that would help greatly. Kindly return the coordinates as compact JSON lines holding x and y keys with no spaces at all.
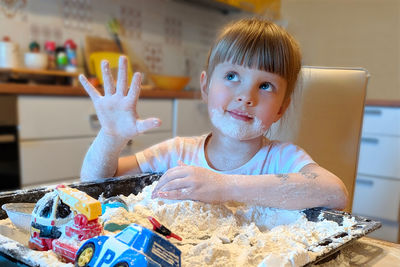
{"x":325,"y":119}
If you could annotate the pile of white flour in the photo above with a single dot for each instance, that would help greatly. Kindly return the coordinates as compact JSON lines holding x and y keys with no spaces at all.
{"x":231,"y":235}
{"x":225,"y":235}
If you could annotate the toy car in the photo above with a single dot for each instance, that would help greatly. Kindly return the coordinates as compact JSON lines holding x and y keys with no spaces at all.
{"x":134,"y":246}
{"x":62,"y":219}
{"x":48,"y":217}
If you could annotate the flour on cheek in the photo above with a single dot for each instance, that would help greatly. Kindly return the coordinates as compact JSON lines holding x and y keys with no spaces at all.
{"x":235,"y":128}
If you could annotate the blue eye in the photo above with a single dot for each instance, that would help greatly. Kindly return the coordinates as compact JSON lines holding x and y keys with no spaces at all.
{"x":266,"y":86}
{"x":230,"y":76}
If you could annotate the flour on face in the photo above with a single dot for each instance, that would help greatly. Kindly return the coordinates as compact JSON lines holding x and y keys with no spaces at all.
{"x":234,"y":128}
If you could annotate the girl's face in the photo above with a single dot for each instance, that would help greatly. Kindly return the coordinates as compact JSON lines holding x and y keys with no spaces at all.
{"x":243,"y":102}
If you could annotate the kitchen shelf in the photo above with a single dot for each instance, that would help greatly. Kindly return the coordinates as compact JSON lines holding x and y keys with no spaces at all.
{"x":39,"y":72}
{"x":40,"y":89}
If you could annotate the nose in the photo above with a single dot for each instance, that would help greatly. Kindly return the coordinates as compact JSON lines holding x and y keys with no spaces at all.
{"x":246,"y":100}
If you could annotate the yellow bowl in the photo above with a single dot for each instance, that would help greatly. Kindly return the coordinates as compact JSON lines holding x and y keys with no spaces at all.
{"x":164,"y":82}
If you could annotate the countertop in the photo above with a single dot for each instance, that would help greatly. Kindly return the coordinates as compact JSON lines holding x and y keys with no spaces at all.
{"x":382,"y":103}
{"x":30,"y":89}
{"x":367,"y":252}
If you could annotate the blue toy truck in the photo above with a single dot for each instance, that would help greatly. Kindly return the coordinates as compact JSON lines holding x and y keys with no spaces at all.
{"x":134,"y":246}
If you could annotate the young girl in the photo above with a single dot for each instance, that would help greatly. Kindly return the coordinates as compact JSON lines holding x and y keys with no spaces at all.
{"x":250,"y":75}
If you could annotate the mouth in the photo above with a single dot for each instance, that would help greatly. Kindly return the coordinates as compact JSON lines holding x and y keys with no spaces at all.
{"x":240,"y":115}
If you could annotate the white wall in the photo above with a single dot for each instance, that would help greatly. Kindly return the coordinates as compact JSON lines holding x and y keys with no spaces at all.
{"x":179,"y":33}
{"x":351,"y":33}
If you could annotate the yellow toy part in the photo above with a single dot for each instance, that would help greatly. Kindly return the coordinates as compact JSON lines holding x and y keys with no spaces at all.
{"x":113,"y":59}
{"x":80,"y":201}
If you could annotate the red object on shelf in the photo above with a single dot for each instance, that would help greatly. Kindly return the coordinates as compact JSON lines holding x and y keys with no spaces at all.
{"x":70,"y":44}
{"x":50,"y":46}
{"x":161,"y":229}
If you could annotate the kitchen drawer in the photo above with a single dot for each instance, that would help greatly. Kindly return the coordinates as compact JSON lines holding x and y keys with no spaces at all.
{"x":379,"y":155}
{"x":381,"y":120}
{"x":161,"y":109}
{"x":45,"y":161}
{"x":144,"y":141}
{"x":376,"y":197}
{"x":192,"y":117}
{"x":43,"y":117}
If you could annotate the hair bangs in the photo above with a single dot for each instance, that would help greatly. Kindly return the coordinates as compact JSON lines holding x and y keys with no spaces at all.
{"x":258,"y":44}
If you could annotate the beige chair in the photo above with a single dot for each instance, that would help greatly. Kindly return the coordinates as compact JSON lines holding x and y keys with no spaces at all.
{"x":325,"y":118}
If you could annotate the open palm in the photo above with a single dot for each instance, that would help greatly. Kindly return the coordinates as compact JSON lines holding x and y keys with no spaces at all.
{"x":116,"y":110}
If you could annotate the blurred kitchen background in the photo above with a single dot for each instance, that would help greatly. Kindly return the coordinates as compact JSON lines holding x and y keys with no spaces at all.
{"x":47,"y":122}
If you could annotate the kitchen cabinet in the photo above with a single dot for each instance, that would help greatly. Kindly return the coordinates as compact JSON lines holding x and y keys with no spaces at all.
{"x":377,"y":190}
{"x":190,"y":117}
{"x":56,"y":131}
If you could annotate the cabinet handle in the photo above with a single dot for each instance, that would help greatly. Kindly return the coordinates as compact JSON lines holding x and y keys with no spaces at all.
{"x":369,"y":140}
{"x":364,"y":182}
{"x":375,"y":112}
{"x":7,"y":138}
{"x":94,"y":121}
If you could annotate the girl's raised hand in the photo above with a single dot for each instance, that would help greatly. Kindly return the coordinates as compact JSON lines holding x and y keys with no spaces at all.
{"x":116,"y":110}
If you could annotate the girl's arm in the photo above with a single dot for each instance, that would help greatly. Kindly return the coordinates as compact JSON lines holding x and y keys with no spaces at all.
{"x":313,"y":186}
{"x":102,"y":159}
{"x":116,"y":111}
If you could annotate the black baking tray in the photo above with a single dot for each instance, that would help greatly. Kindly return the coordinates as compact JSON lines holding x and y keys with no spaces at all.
{"x":134,"y":184}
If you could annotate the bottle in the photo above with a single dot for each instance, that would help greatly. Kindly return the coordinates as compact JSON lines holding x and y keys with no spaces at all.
{"x":61,"y":58}
{"x":50,"y":48}
{"x":70,"y":48}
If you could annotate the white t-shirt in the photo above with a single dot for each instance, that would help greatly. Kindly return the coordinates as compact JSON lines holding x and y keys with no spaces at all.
{"x":274,"y":157}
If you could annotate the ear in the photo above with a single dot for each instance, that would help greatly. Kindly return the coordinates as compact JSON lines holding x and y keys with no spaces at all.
{"x":203,"y":86}
{"x":283,"y":109}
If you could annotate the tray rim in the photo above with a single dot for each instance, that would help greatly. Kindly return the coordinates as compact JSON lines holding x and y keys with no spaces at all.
{"x":140,"y":181}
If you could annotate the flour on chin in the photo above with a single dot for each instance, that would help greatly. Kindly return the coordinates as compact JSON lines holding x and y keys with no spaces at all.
{"x":236,"y":128}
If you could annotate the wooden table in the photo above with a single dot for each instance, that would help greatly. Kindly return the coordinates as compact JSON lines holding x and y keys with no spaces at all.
{"x":367,"y":252}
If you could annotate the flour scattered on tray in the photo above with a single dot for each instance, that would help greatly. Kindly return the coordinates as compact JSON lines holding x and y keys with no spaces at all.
{"x":233,"y":235}
{"x":226,"y":235}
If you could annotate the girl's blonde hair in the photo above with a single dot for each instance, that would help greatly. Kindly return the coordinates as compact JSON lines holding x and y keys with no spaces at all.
{"x":257,"y":43}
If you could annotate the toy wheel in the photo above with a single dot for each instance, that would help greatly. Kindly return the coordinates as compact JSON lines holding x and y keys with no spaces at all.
{"x":85,"y":255}
{"x":121,"y":264}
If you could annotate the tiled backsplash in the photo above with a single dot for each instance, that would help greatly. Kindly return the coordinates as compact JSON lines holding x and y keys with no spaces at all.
{"x":169,"y":37}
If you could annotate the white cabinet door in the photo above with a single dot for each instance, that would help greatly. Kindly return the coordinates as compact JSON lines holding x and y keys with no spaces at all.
{"x":43,"y":117}
{"x":379,"y":156}
{"x":56,"y":132}
{"x":191,"y":116}
{"x":377,"y":197}
{"x":382,"y":120}
{"x":159,"y":108}
{"x":44,"y":161}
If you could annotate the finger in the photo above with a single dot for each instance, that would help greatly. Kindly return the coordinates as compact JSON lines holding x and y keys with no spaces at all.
{"x":181,"y":163}
{"x":122,"y":76}
{"x":107,"y":78}
{"x":147,"y":124}
{"x":134,"y":89}
{"x":176,"y":184}
{"x":169,"y":175}
{"x":89,"y":88}
{"x":180,"y":194}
